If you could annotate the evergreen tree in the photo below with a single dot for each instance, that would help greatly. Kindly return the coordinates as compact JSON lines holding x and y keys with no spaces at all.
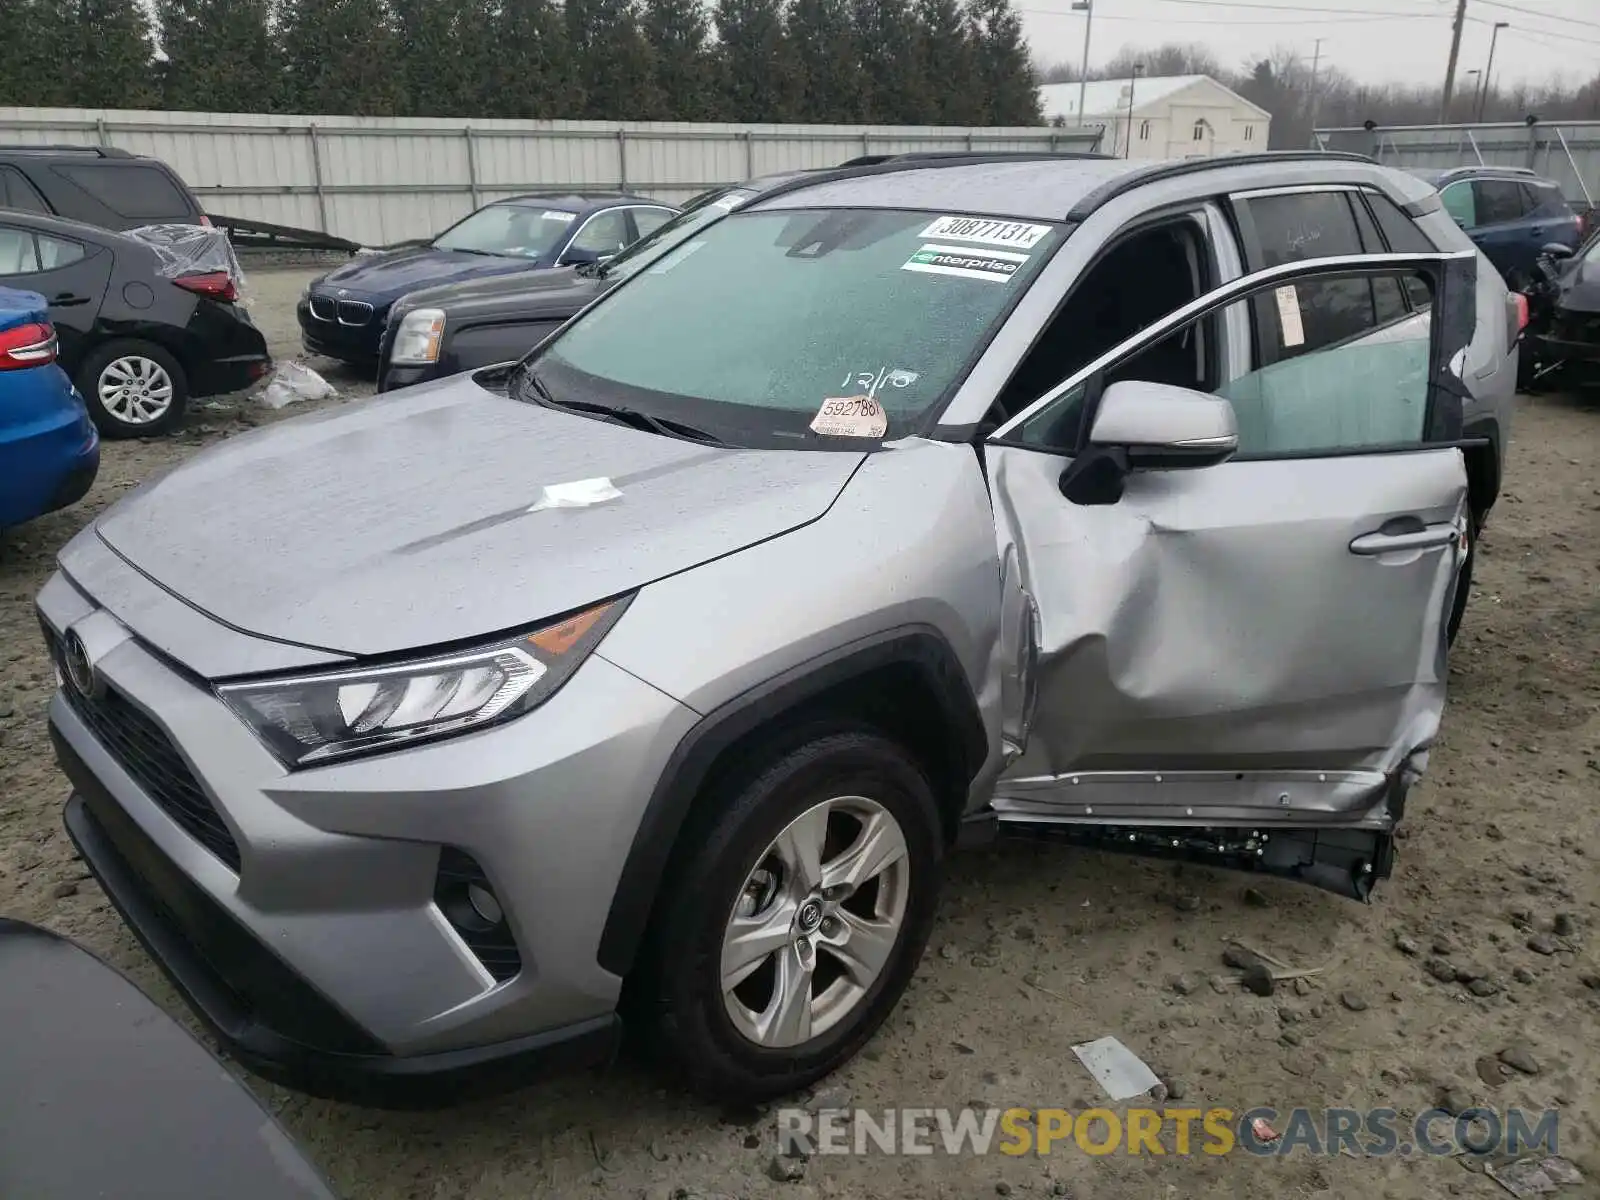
{"x":1006,"y":79}
{"x":339,"y":58}
{"x":444,"y":46}
{"x":827,"y":62}
{"x":613,"y":66}
{"x":220,"y":55}
{"x":759,"y":76}
{"x":531,"y":73}
{"x":31,"y":32}
{"x":947,"y":61}
{"x":894,"y":91}
{"x":677,"y":31}
{"x":113,"y":64}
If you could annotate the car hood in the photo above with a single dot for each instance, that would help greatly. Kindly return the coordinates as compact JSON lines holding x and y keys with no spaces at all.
{"x":404,"y":522}
{"x":531,"y":295}
{"x":390,"y":275}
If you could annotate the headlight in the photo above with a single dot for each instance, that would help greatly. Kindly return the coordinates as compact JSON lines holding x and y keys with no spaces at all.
{"x":417,"y":340}
{"x":317,"y":718}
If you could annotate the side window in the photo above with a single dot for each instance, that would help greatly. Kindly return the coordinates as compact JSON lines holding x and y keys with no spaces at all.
{"x":604,"y":233}
{"x":1461,"y":203}
{"x":647,"y":220}
{"x":58,"y":252}
{"x":1547,"y":199}
{"x":1370,"y":391}
{"x":1307,"y":316}
{"x":18,"y":255}
{"x":130,"y":190}
{"x":17,"y":192}
{"x":1498,"y":200}
{"x":1399,"y":230}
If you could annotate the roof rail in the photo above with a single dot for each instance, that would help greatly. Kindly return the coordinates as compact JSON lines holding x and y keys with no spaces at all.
{"x":1494,"y":168}
{"x":98,"y":151}
{"x":1138,"y":177}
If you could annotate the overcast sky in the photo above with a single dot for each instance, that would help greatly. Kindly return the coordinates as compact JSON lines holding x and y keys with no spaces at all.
{"x":1372,"y":40}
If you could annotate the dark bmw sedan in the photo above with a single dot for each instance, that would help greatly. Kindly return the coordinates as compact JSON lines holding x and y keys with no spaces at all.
{"x":342,"y":314}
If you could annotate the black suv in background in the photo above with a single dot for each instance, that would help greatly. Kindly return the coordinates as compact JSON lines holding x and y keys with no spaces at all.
{"x":98,"y":185}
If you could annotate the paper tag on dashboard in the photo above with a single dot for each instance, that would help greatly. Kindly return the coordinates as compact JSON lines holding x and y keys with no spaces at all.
{"x":1294,"y":332}
{"x":851,"y":416}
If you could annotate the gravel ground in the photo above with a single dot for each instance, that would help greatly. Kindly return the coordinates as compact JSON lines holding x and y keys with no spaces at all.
{"x":1039,"y":948}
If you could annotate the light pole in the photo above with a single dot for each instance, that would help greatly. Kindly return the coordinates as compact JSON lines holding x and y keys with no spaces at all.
{"x":1476,"y":76}
{"x":1127,"y":145}
{"x":1488,"y":70}
{"x":1086,"y":7}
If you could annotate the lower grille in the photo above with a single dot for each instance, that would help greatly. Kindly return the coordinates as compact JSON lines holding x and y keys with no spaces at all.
{"x":321,"y":308}
{"x":354,"y":312}
{"x":144,"y":751}
{"x":487,"y":936}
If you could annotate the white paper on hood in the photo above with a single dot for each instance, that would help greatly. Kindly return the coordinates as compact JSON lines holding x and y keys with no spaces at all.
{"x":582,"y":493}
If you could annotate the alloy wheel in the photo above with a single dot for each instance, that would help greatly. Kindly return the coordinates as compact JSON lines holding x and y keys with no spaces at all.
{"x":816,"y":922}
{"x":135,"y":390}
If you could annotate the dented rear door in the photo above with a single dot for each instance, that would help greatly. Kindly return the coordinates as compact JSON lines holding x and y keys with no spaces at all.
{"x":1247,"y":660}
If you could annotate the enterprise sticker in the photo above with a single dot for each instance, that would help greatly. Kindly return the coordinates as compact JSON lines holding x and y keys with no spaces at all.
{"x":996,"y":266}
{"x":1017,"y":235}
{"x":552,"y":214}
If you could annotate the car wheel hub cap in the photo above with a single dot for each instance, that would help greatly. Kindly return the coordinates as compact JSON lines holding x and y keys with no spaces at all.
{"x":135,"y":389}
{"x":816,"y":922}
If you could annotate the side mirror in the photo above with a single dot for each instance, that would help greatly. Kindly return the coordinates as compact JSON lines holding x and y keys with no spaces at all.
{"x":1556,"y":250}
{"x":573,"y":256}
{"x":1149,"y":427}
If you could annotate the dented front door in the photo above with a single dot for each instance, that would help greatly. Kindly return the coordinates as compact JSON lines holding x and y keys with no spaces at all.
{"x":1249,"y":647}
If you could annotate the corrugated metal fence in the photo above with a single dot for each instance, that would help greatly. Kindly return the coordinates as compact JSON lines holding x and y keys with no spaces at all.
{"x":1566,"y":151}
{"x":380,"y":180}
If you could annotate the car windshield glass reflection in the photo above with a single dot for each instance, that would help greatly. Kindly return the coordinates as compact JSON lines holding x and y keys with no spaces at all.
{"x":513,"y":230}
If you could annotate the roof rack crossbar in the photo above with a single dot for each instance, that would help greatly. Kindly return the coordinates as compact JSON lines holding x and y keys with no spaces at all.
{"x":64,"y":148}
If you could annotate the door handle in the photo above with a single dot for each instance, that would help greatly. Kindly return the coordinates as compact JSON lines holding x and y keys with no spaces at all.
{"x":67,"y":300}
{"x":1429,"y":538}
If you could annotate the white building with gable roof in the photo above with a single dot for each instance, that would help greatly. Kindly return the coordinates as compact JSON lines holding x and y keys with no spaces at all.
{"x":1174,"y":116}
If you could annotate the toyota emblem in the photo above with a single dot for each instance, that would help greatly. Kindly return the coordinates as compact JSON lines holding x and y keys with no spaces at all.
{"x":75,"y":665}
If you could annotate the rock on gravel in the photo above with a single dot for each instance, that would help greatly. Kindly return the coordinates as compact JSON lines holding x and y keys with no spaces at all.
{"x":1521,"y":1058}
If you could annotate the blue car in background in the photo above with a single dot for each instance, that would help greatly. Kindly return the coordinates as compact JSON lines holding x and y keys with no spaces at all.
{"x":1510,"y":213}
{"x":49,"y":449}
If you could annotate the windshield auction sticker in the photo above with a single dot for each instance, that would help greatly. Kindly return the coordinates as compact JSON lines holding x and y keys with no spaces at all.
{"x":851,"y":416}
{"x":551,"y":214}
{"x":1014,"y":234}
{"x":996,"y":266}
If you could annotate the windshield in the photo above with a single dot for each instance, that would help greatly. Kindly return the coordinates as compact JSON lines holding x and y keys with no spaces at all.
{"x":514,"y":230}
{"x":652,"y":246}
{"x":748,"y":328}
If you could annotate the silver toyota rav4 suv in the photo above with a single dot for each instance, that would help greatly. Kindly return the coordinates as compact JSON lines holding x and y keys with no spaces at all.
{"x":425,"y":740}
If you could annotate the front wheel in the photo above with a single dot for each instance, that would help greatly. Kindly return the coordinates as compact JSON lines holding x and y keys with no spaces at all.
{"x":133,"y":389}
{"x":798,"y":918}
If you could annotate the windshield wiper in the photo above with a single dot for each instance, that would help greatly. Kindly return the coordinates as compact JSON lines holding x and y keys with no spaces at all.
{"x":624,"y":416}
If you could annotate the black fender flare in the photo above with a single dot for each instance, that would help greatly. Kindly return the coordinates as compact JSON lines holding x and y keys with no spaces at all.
{"x":920,"y":648}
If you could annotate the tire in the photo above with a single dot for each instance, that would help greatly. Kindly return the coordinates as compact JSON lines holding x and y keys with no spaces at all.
{"x":1458,"y":607}
{"x":133,"y":389}
{"x":734,"y":868}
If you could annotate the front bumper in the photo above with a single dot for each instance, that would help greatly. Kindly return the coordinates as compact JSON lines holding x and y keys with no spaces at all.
{"x":296,"y":912}
{"x":358,"y":345}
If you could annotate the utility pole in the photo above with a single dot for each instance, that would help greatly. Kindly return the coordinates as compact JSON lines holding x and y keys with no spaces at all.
{"x":1316,"y":62}
{"x":1488,"y":71}
{"x":1086,"y":7}
{"x":1455,"y":54}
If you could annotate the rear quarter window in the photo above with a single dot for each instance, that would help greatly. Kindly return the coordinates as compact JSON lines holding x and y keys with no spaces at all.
{"x":17,"y":192}
{"x":131,"y":190}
